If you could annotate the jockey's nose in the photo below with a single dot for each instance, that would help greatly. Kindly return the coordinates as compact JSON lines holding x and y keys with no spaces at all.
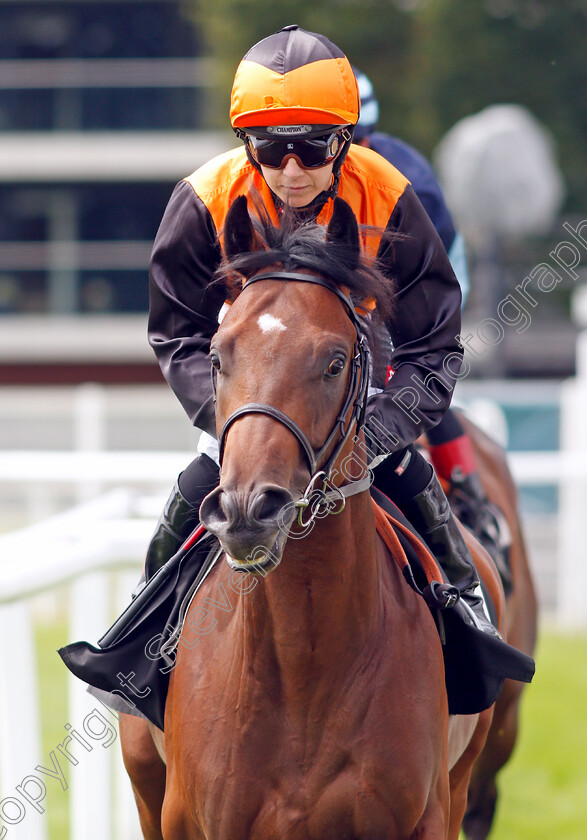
{"x":292,"y":168}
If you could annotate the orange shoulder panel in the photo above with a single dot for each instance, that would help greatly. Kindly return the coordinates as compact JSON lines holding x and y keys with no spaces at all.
{"x":372,"y":188}
{"x":371,"y":185}
{"x":225,"y":177}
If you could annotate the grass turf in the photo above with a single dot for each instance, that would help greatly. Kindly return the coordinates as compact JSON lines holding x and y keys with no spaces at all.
{"x":543,"y":789}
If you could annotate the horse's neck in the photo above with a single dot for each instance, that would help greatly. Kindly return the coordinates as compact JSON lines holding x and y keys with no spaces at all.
{"x":323,"y":603}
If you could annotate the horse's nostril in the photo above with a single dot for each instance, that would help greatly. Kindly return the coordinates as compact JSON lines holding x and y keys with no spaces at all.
{"x":267,"y":506}
{"x":213,"y":508}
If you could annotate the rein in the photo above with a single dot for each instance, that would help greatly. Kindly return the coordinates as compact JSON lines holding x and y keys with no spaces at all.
{"x":352,"y":411}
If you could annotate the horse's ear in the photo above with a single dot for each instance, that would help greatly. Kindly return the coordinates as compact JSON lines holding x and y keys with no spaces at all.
{"x":343,"y":228}
{"x":238,"y":229}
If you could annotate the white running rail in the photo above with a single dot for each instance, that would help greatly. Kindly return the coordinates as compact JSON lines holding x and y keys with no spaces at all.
{"x":82,"y":547}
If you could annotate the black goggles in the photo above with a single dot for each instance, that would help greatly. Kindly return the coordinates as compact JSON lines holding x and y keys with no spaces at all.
{"x":311,"y":152}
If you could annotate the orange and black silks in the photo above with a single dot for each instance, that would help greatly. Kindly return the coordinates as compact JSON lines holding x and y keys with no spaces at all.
{"x":184,"y":306}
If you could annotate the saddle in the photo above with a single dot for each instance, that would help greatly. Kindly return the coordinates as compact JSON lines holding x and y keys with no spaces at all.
{"x":129,"y":669}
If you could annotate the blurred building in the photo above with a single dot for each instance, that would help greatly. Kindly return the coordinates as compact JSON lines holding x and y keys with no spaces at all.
{"x":102,"y":110}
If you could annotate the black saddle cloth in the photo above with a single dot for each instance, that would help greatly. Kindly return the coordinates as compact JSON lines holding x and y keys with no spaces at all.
{"x":131,"y":674}
{"x":129,"y":668}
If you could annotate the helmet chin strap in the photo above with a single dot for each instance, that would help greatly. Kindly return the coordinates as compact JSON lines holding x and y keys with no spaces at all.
{"x":309,"y":212}
{"x":333,"y":191}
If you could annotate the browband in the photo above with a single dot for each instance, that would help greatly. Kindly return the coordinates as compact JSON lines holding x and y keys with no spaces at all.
{"x":361,"y":309}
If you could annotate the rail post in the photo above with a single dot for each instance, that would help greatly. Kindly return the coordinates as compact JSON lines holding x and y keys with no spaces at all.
{"x":572,"y":566}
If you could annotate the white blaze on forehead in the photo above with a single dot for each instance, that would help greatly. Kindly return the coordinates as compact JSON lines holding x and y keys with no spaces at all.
{"x":269,"y":323}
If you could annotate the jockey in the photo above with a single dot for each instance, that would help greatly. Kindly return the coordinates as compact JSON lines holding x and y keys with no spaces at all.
{"x":451,"y":450}
{"x":294,"y":106}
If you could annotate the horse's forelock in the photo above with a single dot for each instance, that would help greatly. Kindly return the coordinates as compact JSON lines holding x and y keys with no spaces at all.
{"x":292,"y":246}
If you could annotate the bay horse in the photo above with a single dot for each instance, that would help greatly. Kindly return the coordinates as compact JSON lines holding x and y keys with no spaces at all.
{"x":309,"y":701}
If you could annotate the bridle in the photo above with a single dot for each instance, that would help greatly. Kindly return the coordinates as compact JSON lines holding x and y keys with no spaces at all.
{"x":352,"y":412}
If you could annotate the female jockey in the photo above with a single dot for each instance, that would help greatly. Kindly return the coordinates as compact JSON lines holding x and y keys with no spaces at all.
{"x":294,"y":106}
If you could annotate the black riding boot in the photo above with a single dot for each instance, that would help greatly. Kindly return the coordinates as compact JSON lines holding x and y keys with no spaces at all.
{"x":180,"y":516}
{"x":178,"y":520}
{"x":431,"y":515}
{"x":470,"y":503}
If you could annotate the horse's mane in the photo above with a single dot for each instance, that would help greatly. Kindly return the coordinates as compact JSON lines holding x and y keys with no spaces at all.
{"x":296,"y":244}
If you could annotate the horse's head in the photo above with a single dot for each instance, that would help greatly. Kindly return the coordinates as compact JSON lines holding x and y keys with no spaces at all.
{"x":291,"y":376}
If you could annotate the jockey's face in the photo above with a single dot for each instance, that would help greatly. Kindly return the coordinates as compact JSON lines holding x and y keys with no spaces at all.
{"x":295,"y":185}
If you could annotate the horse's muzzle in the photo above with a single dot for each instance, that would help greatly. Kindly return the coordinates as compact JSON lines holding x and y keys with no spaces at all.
{"x":252,"y":528}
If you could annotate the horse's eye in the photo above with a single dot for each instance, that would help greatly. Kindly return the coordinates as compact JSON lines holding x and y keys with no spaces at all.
{"x":335,"y":368}
{"x":214,"y":360}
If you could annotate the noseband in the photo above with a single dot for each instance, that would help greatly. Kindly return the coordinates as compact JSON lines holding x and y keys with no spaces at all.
{"x":353,"y":409}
